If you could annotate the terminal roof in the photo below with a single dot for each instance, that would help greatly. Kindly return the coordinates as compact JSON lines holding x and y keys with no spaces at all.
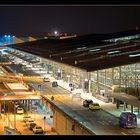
{"x":88,"y":52}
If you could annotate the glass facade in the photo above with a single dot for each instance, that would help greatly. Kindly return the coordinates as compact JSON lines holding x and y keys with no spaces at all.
{"x":122,"y":38}
{"x":118,"y":79}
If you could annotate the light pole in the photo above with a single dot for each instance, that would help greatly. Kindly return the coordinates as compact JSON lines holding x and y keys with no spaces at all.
{"x":4,"y":111}
{"x":44,"y":122}
{"x":8,"y":117}
{"x":14,"y":116}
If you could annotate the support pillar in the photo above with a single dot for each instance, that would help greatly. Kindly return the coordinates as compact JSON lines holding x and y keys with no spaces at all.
{"x":25,"y":103}
{"x":0,"y":108}
{"x":113,"y":99}
{"x":98,"y":90}
{"x":131,"y":108}
{"x":124,"y":106}
{"x":138,"y":112}
{"x":28,"y":104}
{"x":31,"y":105}
{"x":89,"y":81}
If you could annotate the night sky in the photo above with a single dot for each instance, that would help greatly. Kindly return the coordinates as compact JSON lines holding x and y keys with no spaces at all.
{"x":39,"y":20}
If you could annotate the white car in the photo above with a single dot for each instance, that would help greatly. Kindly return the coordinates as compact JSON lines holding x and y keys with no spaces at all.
{"x":46,"y":79}
{"x":38,"y":129}
{"x":20,"y":110}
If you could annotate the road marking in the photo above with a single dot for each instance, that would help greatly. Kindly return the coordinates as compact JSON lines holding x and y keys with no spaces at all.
{"x":123,"y":133}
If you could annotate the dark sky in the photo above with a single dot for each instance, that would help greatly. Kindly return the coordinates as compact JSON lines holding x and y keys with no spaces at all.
{"x":38,"y":20}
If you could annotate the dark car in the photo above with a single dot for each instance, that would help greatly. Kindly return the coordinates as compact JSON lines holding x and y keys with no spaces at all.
{"x":86,"y":103}
{"x":31,"y":126}
{"x":54,"y":84}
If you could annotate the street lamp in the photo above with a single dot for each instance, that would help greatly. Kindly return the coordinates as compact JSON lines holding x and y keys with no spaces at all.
{"x":14,"y":116}
{"x":44,"y":122}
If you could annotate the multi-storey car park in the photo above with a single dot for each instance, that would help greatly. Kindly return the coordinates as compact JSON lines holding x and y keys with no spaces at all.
{"x":104,"y":65}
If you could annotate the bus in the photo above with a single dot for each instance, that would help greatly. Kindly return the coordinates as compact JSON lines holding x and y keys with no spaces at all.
{"x":127,"y":120}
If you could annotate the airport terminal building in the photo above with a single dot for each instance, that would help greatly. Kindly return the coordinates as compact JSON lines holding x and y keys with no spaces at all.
{"x":105,"y":65}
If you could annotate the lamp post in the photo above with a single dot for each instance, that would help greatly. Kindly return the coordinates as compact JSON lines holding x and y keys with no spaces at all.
{"x":44,"y":122}
{"x":8,"y":117}
{"x":14,"y":116}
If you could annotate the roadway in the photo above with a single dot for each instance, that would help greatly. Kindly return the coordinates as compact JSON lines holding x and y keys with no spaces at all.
{"x":100,"y":122}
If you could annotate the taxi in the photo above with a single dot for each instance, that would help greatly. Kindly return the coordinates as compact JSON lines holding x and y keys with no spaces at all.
{"x":94,"y":106}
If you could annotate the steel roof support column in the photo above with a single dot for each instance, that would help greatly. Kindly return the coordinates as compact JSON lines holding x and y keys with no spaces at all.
{"x":138,"y":112}
{"x":124,"y":106}
{"x":89,"y":81}
{"x":98,"y":91}
{"x":131,"y":108}
{"x":113,"y":99}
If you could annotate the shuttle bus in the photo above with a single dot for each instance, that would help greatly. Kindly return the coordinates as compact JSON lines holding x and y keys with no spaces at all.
{"x":128,"y":120}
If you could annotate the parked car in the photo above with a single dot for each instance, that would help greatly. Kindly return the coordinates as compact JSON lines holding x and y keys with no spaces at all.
{"x":86,"y":103}
{"x":31,"y":125}
{"x":46,"y":79}
{"x":20,"y":110}
{"x":26,"y":118}
{"x":94,"y":106}
{"x":54,"y":84}
{"x":38,"y":129}
{"x":29,"y":121}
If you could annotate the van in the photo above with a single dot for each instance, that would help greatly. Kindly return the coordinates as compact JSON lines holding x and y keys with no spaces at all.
{"x":20,"y":110}
{"x":127,"y":120}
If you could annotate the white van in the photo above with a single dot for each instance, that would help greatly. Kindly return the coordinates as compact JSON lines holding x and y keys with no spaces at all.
{"x":20,"y":110}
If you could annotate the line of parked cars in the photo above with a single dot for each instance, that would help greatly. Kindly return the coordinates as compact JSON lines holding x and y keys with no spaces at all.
{"x":91,"y":105}
{"x":31,"y":125}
